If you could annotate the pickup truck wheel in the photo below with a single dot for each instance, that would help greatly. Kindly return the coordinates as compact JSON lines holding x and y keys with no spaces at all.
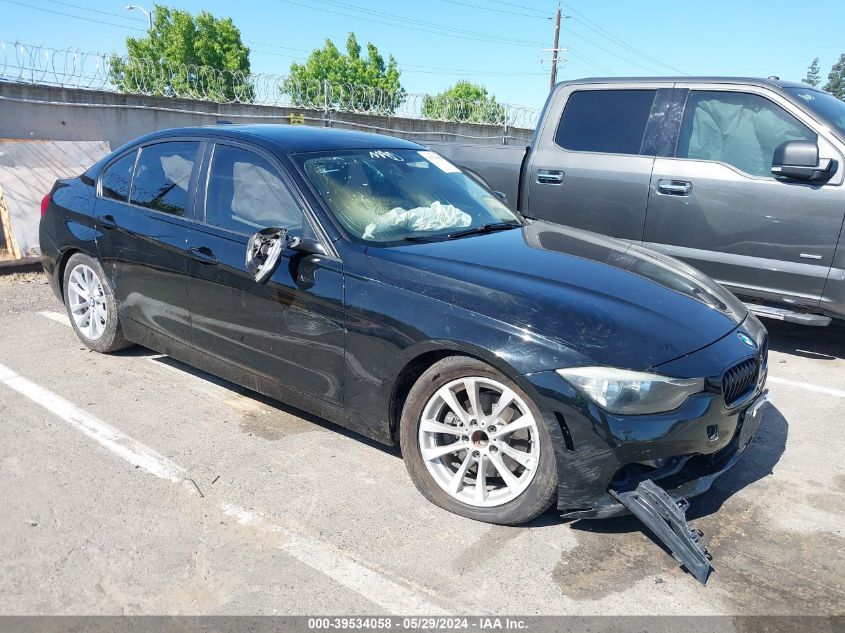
{"x":91,"y":305}
{"x":475,"y":444}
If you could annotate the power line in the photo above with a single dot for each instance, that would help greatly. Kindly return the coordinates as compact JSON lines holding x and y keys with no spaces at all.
{"x":516,"y":6}
{"x":403,"y":19}
{"x":599,"y":30}
{"x":76,"y":17}
{"x":114,"y":15}
{"x":398,"y":21}
{"x":483,"y":8}
{"x":586,"y":60}
{"x":610,"y":52}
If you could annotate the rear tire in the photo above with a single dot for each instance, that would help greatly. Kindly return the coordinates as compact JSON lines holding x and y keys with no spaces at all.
{"x":91,"y":306}
{"x":508,"y":443}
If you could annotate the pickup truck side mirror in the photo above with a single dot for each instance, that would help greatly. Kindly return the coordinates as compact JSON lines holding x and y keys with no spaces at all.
{"x":799,"y":160}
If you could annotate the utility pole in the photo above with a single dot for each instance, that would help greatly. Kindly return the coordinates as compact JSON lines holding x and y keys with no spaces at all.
{"x":555,"y":48}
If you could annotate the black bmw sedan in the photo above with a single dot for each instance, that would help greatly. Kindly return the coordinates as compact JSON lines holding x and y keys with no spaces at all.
{"x":371,"y":282}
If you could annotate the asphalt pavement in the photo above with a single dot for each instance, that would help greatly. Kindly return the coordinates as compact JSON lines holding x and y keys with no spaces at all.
{"x":133,"y":484}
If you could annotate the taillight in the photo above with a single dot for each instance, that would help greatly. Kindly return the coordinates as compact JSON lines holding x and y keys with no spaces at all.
{"x":45,"y":202}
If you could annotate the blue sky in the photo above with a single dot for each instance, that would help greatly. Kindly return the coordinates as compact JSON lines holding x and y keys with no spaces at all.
{"x":496,"y":43}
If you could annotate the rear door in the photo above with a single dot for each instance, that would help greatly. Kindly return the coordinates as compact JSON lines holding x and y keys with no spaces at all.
{"x":715,"y":204}
{"x":142,"y":215}
{"x":592,"y":163}
{"x":289,"y":329}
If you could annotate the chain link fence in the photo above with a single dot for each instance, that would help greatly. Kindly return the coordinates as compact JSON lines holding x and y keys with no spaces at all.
{"x":72,"y":68}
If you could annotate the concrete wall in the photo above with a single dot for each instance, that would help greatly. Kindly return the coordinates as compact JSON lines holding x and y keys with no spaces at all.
{"x":71,"y":114}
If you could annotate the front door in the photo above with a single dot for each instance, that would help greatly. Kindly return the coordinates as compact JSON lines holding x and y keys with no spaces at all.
{"x":715,"y":204}
{"x":143,"y":199}
{"x":289,"y":329}
{"x":593,"y":160}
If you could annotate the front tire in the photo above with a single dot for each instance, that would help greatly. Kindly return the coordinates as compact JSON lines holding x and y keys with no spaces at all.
{"x":91,"y":305}
{"x":475,"y":444}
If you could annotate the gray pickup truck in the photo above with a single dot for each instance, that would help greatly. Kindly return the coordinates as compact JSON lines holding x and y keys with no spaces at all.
{"x":742,"y":178}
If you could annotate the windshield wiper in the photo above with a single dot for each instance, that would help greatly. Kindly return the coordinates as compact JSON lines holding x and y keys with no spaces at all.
{"x":424,"y":238}
{"x":485,"y":228}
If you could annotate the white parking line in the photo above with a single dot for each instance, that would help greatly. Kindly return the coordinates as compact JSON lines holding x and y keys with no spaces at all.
{"x":209,"y":383}
{"x":322,"y":557}
{"x":58,"y":317}
{"x":104,"y":434}
{"x":372,"y":585}
{"x":807,"y":386}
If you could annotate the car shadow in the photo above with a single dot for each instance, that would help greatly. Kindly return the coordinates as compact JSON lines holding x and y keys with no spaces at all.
{"x":817,"y":343}
{"x":137,"y":351}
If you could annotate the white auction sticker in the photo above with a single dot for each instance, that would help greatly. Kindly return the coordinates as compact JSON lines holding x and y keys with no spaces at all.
{"x":439,"y":161}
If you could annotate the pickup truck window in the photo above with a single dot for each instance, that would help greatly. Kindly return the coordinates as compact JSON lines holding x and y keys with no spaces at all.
{"x":737,"y":128}
{"x":608,"y":121}
{"x":823,"y":104}
{"x":387,"y":196}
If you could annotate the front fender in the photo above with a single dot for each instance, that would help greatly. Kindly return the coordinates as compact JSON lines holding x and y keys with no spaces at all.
{"x":388,"y":327}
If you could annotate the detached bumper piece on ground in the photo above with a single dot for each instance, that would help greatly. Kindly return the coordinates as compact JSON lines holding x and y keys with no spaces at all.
{"x":666,"y":518}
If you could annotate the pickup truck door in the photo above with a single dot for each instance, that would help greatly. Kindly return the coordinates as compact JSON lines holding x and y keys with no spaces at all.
{"x":593,"y":156}
{"x":714,"y":203}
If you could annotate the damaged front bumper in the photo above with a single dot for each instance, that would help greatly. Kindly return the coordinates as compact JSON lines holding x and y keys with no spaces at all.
{"x":688,"y":476}
{"x":682,"y":451}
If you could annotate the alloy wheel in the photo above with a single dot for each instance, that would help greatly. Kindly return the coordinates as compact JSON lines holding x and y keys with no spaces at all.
{"x":87,"y":302}
{"x":479,"y":441}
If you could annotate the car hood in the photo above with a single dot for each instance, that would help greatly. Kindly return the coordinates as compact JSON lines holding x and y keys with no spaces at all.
{"x":615,"y":303}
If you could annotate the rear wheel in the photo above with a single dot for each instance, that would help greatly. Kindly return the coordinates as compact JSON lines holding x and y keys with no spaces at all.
{"x":475,"y":444}
{"x":91,"y":305}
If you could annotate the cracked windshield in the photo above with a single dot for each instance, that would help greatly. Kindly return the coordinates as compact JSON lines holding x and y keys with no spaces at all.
{"x":382,"y":196}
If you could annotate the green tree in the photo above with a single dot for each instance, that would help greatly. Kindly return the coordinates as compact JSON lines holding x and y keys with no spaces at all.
{"x":813,"y":77}
{"x":465,"y":101}
{"x":182,"y":55}
{"x":350,"y":81}
{"x":836,"y":79}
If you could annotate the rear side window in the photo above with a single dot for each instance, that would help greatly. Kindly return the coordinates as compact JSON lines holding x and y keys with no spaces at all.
{"x":246,"y":194}
{"x":609,"y":121}
{"x":737,"y":128}
{"x":117,"y":177}
{"x":162,"y":176}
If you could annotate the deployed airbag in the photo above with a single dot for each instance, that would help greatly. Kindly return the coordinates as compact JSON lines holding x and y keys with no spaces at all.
{"x":398,"y":222}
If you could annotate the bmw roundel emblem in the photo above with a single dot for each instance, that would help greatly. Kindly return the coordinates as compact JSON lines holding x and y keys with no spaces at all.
{"x":746,"y":339}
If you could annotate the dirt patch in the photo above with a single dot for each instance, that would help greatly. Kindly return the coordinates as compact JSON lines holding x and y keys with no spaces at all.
{"x":23,"y":278}
{"x":610,"y":556}
{"x":493,"y":540}
{"x":259,"y":417}
{"x":761,"y":567}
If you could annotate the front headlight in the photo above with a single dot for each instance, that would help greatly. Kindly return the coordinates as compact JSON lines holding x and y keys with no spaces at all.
{"x":631,"y":392}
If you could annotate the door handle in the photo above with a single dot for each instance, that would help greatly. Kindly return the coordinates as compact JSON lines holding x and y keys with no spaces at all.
{"x":203,"y":255}
{"x":108,"y":222}
{"x":549,"y":176}
{"x":674,"y":187}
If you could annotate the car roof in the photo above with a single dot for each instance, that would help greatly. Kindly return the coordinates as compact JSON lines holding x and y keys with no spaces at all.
{"x":753,"y":81}
{"x":290,"y":139}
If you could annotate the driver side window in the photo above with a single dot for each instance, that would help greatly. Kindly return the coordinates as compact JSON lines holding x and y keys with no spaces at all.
{"x":737,"y":128}
{"x":246,"y":194}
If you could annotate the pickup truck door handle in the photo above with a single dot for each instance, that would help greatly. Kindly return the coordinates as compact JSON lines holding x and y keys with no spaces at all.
{"x":549,"y":176}
{"x":203,"y":255}
{"x":674,"y":187}
{"x":107,"y":222}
